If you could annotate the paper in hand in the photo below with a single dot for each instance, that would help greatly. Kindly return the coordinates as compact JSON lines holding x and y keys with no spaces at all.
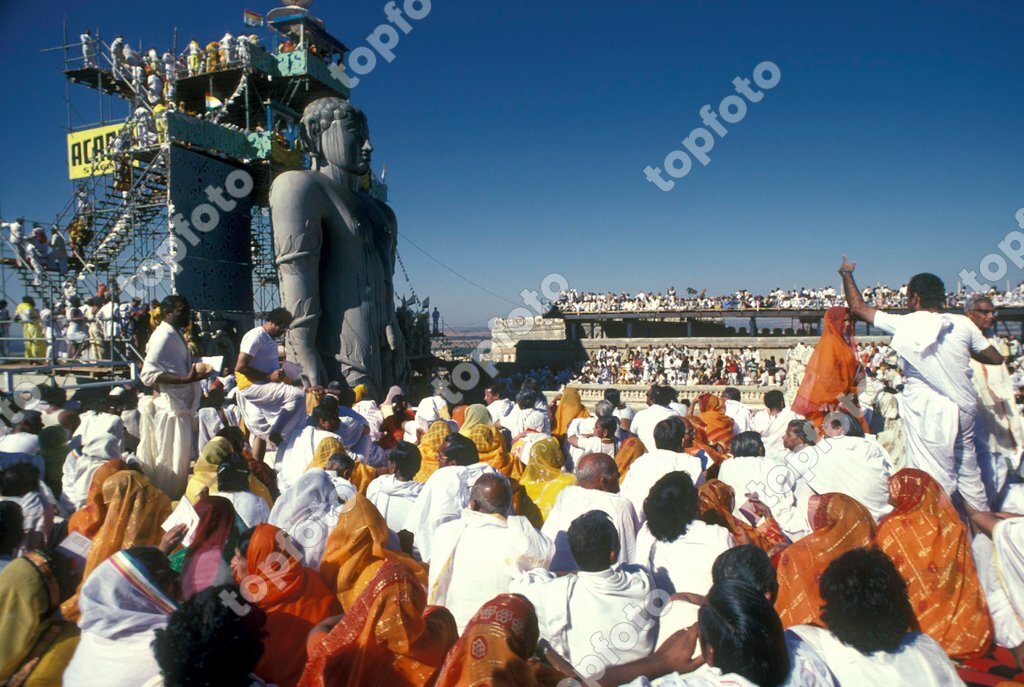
{"x":186,"y":515}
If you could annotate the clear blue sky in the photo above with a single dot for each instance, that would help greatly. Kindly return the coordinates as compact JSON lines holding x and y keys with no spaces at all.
{"x":516,"y":135}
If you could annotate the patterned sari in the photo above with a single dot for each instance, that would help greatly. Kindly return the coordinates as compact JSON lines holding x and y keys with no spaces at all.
{"x":631,"y":449}
{"x":928,"y":543}
{"x":542,"y":481}
{"x":717,"y":500}
{"x":429,"y":444}
{"x":831,"y":374}
{"x":496,"y":647}
{"x":840,"y":524}
{"x":390,"y":637}
{"x":716,"y":424}
{"x":356,"y":551}
{"x":570,"y":407}
{"x":204,"y":474}
{"x":362,"y":474}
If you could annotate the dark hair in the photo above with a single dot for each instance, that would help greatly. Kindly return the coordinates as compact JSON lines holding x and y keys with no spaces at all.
{"x":326,"y":410}
{"x":750,"y":564}
{"x":669,"y":433}
{"x":203,"y":631}
{"x":526,"y":398}
{"x":156,"y":563}
{"x":731,"y":393}
{"x":233,"y":473}
{"x":407,"y":459}
{"x":399,"y":400}
{"x":498,"y":389}
{"x":806,"y":430}
{"x":243,"y":541}
{"x":747,"y":444}
{"x":11,"y":527}
{"x":663,"y":395}
{"x":613,"y":396}
{"x":28,"y":299}
{"x":745,"y":632}
{"x":929,"y":288}
{"x":609,"y":424}
{"x":866,"y":602}
{"x":281,"y":317}
{"x":19,"y":479}
{"x":343,"y":461}
{"x":671,"y":506}
{"x":461,"y":450}
{"x":774,"y":400}
{"x":170,"y":303}
{"x":234,"y":436}
{"x":592,"y":540}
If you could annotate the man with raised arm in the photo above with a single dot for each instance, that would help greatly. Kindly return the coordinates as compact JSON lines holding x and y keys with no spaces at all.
{"x":938,"y":403}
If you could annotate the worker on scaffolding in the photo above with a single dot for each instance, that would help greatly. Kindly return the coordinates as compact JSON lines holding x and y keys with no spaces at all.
{"x":15,"y":237}
{"x":160,"y":118}
{"x":58,"y":251}
{"x":195,"y":58}
{"x":145,"y":128}
{"x":88,"y":50}
{"x":116,"y":56}
{"x":154,"y":89}
{"x":31,"y":329}
{"x":170,"y":66}
{"x":227,"y":50}
{"x":152,"y":61}
{"x":37,"y":253}
{"x":212,"y":56}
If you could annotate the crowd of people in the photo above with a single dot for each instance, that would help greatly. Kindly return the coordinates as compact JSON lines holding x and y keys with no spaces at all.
{"x":804,"y":298}
{"x":680,"y":365}
{"x":235,"y":527}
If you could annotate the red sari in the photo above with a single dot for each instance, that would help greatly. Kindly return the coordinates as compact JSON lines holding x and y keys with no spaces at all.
{"x":293,"y":597}
{"x":831,"y":375}
{"x":389,"y":637}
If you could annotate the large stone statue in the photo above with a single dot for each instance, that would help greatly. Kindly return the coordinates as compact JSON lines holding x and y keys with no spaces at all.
{"x":335,"y":248}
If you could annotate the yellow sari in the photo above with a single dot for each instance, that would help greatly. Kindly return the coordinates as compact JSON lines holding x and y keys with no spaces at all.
{"x":356,"y":552}
{"x":488,"y":440}
{"x":429,"y":445}
{"x":362,"y":474}
{"x":204,"y":475}
{"x":543,"y":480}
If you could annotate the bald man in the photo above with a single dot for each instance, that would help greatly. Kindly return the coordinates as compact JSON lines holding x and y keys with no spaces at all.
{"x":477,"y":556}
{"x":596,"y":488}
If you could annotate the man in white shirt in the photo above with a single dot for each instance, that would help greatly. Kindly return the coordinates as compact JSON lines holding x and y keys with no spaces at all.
{"x":498,"y":405}
{"x":394,"y":494}
{"x":847,"y":462}
{"x":445,"y":494}
{"x":674,"y":544}
{"x":671,"y":438}
{"x":771,"y":423}
{"x":169,"y":370}
{"x":735,"y":409}
{"x":477,"y":556}
{"x":938,"y":404}
{"x":869,"y":617}
{"x":596,"y":488}
{"x":576,"y":609}
{"x":658,"y":398}
{"x":272,"y":407}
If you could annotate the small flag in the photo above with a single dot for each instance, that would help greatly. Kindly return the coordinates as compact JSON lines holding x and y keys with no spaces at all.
{"x":250,"y":18}
{"x":212,"y":103}
{"x":426,"y":303}
{"x":383,"y":172}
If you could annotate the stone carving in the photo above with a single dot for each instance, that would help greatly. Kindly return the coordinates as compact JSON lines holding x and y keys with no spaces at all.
{"x":335,"y":248}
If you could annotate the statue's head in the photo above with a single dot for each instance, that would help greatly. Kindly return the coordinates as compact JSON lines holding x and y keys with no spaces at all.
{"x":335,"y":132}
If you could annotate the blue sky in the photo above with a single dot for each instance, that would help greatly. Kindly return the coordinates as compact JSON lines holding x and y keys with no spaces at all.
{"x":516,"y":135}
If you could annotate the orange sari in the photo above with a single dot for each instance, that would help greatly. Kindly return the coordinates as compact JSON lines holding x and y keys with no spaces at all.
{"x":135,"y":511}
{"x":293,"y":597}
{"x":631,"y":449}
{"x":928,"y":543}
{"x":430,"y":442}
{"x":717,"y":500}
{"x":570,"y":407}
{"x":88,"y":519}
{"x":717,"y":426}
{"x":389,"y":637}
{"x":495,"y":649}
{"x":840,"y":524}
{"x":356,"y":552}
{"x":831,"y":373}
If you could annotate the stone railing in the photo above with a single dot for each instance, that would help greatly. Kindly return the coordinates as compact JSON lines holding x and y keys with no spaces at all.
{"x":635,"y":395}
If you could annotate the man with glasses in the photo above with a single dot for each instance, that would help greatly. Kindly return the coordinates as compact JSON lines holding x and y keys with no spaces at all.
{"x":998,"y":427}
{"x":271,"y":405}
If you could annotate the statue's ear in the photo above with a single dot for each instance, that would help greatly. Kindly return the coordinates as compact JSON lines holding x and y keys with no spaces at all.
{"x":309,"y":133}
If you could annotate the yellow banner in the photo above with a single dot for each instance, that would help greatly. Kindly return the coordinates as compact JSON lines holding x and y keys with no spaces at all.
{"x":87,"y":151}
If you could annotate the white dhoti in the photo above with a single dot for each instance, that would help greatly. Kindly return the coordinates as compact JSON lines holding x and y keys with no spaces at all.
{"x":272,"y":407}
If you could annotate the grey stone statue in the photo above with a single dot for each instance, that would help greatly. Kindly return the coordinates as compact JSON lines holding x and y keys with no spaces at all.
{"x":335,"y":248}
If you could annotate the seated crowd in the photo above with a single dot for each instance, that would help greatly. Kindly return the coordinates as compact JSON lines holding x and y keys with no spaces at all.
{"x":250,"y":531}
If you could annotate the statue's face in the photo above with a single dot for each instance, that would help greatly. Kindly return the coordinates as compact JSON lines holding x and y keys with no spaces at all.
{"x":346,"y":144}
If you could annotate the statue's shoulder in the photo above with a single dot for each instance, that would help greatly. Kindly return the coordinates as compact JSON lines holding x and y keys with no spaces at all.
{"x":295,"y":186}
